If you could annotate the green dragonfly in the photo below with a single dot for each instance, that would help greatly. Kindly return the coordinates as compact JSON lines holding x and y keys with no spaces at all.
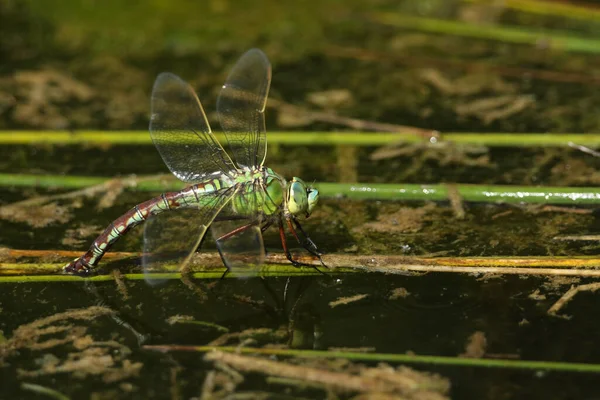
{"x":232,"y":193}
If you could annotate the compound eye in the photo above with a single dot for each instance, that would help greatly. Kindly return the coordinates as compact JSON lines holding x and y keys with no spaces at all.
{"x":313,"y":198}
{"x":297,"y":198}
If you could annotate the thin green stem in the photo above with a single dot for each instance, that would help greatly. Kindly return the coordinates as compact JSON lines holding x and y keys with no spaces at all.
{"x":492,"y":139}
{"x":401,"y":358}
{"x":355,"y":191}
{"x":39,"y":389}
{"x":534,"y":37}
{"x":474,"y":193}
{"x":559,"y":9}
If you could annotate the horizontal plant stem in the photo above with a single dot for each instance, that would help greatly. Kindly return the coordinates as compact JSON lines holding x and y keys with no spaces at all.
{"x":560,"y":9}
{"x":267,"y":271}
{"x":475,"y":193}
{"x":356,"y":191}
{"x":20,"y":266}
{"x":401,"y":358}
{"x":497,"y":139}
{"x":543,"y":39}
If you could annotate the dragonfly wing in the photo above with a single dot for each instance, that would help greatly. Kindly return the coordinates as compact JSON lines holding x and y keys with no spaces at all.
{"x":243,"y":252}
{"x":241,"y":108}
{"x":173,"y":237}
{"x":238,"y":235}
{"x":181,"y":133}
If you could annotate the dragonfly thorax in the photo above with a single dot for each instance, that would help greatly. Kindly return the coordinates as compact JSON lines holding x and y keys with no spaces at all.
{"x":261,"y":191}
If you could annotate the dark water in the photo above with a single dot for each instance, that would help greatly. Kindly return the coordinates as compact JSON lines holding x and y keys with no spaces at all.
{"x":436,"y":317}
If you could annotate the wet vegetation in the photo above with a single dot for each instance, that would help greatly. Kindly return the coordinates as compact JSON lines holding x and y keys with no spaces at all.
{"x":425,"y":299}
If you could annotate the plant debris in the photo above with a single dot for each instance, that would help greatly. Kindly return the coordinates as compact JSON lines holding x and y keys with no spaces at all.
{"x":86,"y":356}
{"x":398,"y":293}
{"x":37,"y":216}
{"x":568,"y":296}
{"x":555,"y":284}
{"x":404,"y":220}
{"x":347,"y":300}
{"x":536,"y":295}
{"x":44,"y":96}
{"x":396,"y":383}
{"x":252,"y":335}
{"x":188,"y":319}
{"x":476,"y":346}
{"x":79,"y":235}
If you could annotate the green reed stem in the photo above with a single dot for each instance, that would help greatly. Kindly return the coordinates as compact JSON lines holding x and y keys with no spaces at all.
{"x":492,"y":139}
{"x":401,"y":358}
{"x":559,"y":9}
{"x":555,"y":40}
{"x":356,"y":191}
{"x":475,"y":193}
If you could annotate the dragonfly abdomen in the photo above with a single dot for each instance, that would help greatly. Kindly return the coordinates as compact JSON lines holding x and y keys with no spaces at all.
{"x":190,"y":197}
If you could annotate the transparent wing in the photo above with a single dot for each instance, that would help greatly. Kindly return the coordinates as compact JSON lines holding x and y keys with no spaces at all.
{"x":237,"y":233}
{"x":243,"y":252}
{"x":174,"y":236}
{"x":180,"y":131}
{"x":241,"y":108}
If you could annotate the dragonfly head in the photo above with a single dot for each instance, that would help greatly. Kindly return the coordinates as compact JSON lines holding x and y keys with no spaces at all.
{"x":301,"y":199}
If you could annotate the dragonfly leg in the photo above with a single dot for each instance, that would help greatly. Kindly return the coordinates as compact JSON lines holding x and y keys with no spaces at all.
{"x":263,"y":229}
{"x":236,"y":231}
{"x":119,"y":317}
{"x":305,"y":282}
{"x":307,"y":242}
{"x":227,"y":236}
{"x":266,"y":226}
{"x":219,"y":219}
{"x":286,"y":250}
{"x":224,"y":263}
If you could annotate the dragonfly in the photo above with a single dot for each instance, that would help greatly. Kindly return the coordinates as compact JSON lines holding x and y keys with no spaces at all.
{"x":229,"y":192}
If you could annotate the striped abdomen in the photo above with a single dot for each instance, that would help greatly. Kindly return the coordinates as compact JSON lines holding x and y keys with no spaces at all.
{"x":190,"y":197}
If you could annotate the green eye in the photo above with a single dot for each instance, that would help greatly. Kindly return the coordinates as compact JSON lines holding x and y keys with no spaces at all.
{"x":297,"y":198}
{"x":313,"y":199}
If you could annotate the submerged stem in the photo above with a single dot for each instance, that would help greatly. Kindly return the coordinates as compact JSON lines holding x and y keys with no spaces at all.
{"x":403,"y":358}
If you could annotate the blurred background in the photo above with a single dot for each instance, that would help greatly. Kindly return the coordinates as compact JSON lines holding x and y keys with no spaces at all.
{"x":448,"y":65}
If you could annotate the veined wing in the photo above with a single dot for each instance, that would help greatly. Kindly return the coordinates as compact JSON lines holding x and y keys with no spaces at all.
{"x":181,"y":133}
{"x":241,"y":108}
{"x":174,"y":236}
